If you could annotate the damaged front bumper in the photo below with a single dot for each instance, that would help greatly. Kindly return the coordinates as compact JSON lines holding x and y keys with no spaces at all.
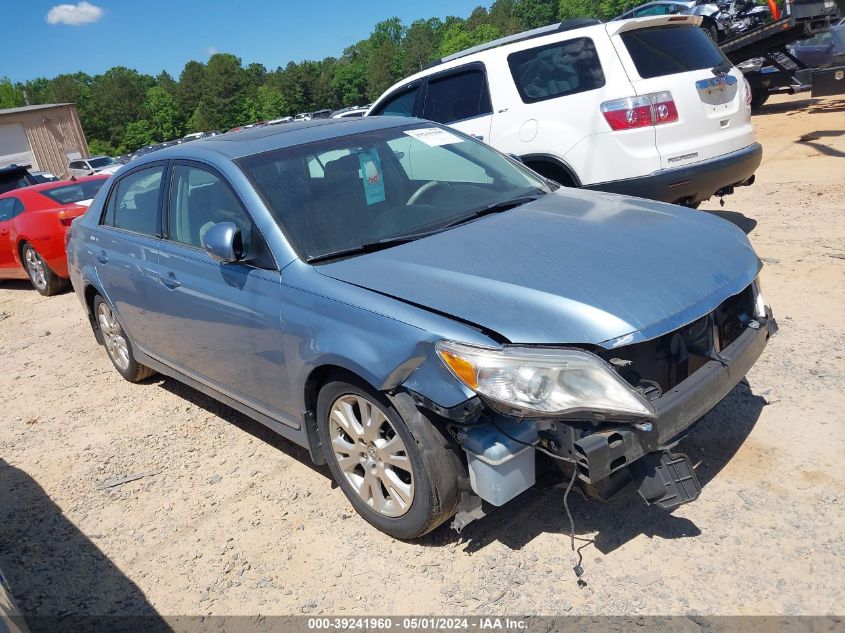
{"x":609,"y":455}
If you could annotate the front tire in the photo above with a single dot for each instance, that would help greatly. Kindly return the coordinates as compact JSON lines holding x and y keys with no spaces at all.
{"x":117,"y":344}
{"x":42,"y":278}
{"x":395,"y":469}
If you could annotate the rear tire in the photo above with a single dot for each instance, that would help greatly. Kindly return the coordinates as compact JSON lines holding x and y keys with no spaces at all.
{"x":759,"y":98}
{"x":712,"y":31}
{"x":117,"y":344}
{"x":42,"y":278}
{"x":404,"y":493}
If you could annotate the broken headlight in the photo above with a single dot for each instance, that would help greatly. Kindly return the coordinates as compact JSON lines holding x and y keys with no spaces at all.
{"x":544,"y":382}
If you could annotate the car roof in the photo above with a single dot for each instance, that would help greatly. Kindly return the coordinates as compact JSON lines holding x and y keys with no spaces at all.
{"x":47,"y":186}
{"x":234,"y":145}
{"x":13,"y":169}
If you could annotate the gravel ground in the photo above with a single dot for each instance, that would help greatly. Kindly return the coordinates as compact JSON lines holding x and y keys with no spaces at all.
{"x":226,"y":518}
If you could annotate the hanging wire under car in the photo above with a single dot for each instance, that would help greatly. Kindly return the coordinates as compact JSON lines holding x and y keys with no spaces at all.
{"x":576,"y":557}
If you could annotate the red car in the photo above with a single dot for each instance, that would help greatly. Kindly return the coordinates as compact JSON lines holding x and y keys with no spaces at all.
{"x":33,"y":223}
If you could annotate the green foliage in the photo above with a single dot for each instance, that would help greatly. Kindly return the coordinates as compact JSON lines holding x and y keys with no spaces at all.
{"x":536,"y":13}
{"x":163,"y":114}
{"x":116,"y":100}
{"x":457,"y":38}
{"x":98,"y":147}
{"x":137,"y":134}
{"x":10,"y":97}
{"x":123,"y":109}
{"x":568,"y":9}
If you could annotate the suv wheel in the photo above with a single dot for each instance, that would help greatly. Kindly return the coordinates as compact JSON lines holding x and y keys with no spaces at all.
{"x":394,"y":469}
{"x":42,"y":278}
{"x":117,"y":344}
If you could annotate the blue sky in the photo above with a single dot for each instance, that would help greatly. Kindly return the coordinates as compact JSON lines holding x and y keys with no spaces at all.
{"x":155,"y":35}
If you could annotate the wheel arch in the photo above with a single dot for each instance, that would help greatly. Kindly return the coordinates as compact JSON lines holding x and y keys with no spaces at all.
{"x":552,"y":167}
{"x":89,"y":292}
{"x":317,"y":378}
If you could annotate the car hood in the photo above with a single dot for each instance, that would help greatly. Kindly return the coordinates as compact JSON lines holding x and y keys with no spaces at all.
{"x":571,"y":267}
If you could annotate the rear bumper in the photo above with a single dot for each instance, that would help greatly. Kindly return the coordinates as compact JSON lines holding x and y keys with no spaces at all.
{"x":693,"y":183}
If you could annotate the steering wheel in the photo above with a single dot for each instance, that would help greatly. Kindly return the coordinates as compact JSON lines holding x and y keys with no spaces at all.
{"x":419,"y":193}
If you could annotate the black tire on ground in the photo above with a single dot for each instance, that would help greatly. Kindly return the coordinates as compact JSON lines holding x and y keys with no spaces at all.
{"x":42,"y":278}
{"x":436,"y":468}
{"x":112,"y":330}
{"x":758,"y":98}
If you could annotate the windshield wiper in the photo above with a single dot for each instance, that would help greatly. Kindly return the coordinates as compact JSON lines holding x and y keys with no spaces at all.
{"x":370,"y":247}
{"x":388,"y":242}
{"x":489,"y":209}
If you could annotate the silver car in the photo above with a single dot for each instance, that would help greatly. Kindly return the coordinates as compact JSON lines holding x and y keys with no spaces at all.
{"x":93,"y":165}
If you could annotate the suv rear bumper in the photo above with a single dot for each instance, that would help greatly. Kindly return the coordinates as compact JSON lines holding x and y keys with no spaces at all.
{"x":692,"y":183}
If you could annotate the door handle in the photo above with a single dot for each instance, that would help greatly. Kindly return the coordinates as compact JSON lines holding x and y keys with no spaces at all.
{"x":102,"y":258}
{"x":170,"y":281}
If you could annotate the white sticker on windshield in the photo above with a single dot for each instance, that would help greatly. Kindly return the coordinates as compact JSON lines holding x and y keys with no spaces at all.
{"x":434,"y":136}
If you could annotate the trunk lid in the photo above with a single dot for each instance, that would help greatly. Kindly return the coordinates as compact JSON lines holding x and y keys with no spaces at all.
{"x":672,"y":53}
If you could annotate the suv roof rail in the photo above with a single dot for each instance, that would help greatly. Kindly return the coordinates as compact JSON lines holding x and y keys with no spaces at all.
{"x":566,"y":25}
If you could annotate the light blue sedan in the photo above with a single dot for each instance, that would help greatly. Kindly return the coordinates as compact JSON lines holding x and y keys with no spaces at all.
{"x":422,"y":312}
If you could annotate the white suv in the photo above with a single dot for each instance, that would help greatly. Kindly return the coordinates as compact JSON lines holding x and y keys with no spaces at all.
{"x":647,"y":107}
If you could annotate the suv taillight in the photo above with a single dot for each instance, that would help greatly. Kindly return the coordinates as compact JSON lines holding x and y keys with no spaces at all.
{"x":633,"y":112}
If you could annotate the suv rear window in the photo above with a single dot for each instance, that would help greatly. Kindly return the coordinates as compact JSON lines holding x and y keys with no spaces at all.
{"x":666,"y":50}
{"x":555,"y":70}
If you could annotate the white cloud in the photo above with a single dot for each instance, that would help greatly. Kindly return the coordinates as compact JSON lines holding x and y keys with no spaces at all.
{"x":74,"y":14}
{"x":210,"y":51}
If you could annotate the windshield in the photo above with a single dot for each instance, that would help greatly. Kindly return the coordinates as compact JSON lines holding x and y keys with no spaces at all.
{"x":346,"y":192}
{"x":103,"y":161}
{"x":77,"y":192}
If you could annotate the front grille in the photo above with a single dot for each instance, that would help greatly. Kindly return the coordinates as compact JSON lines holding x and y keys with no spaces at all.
{"x":660,"y":364}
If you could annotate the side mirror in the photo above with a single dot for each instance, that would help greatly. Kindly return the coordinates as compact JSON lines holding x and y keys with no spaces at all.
{"x":224,"y":243}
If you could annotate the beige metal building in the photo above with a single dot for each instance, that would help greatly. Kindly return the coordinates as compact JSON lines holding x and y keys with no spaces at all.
{"x":45,"y":136}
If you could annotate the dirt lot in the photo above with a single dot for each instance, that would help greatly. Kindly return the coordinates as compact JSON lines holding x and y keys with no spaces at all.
{"x":229,"y":519}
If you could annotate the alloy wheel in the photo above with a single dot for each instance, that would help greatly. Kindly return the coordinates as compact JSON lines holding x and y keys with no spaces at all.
{"x":113,"y":337}
{"x":35,"y":269}
{"x":371,"y":455}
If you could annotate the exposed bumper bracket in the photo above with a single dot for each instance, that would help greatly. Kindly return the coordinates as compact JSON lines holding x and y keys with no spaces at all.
{"x":666,"y":480}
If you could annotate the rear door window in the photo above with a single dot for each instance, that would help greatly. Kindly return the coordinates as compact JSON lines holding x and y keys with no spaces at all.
{"x":667,"y":50}
{"x":9,"y":208}
{"x":556,"y":70}
{"x":457,"y":97}
{"x":77,"y":192}
{"x":401,"y":104}
{"x":133,"y":204}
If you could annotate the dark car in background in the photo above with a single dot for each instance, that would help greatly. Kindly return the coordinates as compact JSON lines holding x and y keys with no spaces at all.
{"x":15,"y":177}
